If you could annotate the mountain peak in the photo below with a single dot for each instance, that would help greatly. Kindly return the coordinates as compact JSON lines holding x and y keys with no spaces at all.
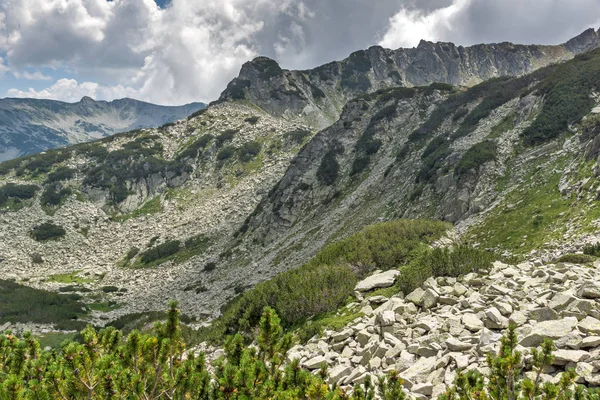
{"x":87,"y":100}
{"x":585,"y":41}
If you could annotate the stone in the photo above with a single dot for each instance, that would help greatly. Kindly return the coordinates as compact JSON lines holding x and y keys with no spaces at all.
{"x":315,"y":362}
{"x":416,"y":296}
{"x":548,"y":329}
{"x":560,"y":301}
{"x":564,"y":357}
{"x":341,"y":336}
{"x":339,"y":373}
{"x":589,"y":291}
{"x":543,"y":314}
{"x":377,"y":281}
{"x":387,"y":318}
{"x":504,"y":308}
{"x":590,"y":325}
{"x":495,"y":320}
{"x":363,"y":337}
{"x":472,"y":322}
{"x":429,"y":299}
{"x":426,"y":389}
{"x":517,"y":318}
{"x":375,"y":363}
{"x":419,"y":371}
{"x":589,"y":342}
{"x":454,"y":344}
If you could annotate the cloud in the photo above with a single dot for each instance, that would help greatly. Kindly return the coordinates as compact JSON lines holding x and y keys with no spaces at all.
{"x":408,"y":27}
{"x":70,"y":90}
{"x":35,"y":76}
{"x":189,"y":50}
{"x":3,"y":68}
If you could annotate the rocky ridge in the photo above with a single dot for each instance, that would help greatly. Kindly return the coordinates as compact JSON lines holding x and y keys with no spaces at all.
{"x":29,"y":125}
{"x":451,"y":324}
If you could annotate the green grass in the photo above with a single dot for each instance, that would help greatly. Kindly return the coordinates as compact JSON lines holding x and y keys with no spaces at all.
{"x":23,"y":304}
{"x":69,"y":278}
{"x":105,"y":306}
{"x":192,"y":247}
{"x":504,"y":126}
{"x":55,"y":339}
{"x":152,"y":206}
{"x":334,"y":320}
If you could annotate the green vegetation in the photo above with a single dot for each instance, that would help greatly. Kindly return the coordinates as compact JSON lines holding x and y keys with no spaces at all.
{"x":297,"y":136}
{"x":454,"y":262}
{"x":576,"y":258}
{"x":249,"y":150}
{"x":506,"y":378}
{"x":47,"y":231}
{"x":42,"y":163}
{"x":226,"y":136}
{"x":20,"y":303}
{"x":69,"y":278}
{"x":323,"y":284}
{"x":193,"y":150}
{"x":476,"y":156}
{"x":172,"y":250}
{"x":504,"y":126}
{"x":592,"y":250}
{"x":442,"y":87}
{"x":104,"y":306}
{"x":152,"y":206}
{"x":52,"y":196}
{"x":162,"y":251}
{"x":109,"y":289}
{"x":329,"y":168}
{"x":433,"y":158}
{"x":197,"y":113}
{"x":567,"y":97}
{"x":252,"y":120}
{"x":12,"y":195}
{"x":156,"y":365}
{"x":60,"y":174}
{"x":226,"y":153}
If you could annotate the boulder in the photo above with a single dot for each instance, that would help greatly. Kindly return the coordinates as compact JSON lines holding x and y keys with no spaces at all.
{"x":494,"y":319}
{"x":454,"y":344}
{"x":416,"y":296}
{"x":377,"y":281}
{"x":589,"y":291}
{"x":564,"y":357}
{"x":430,"y":299}
{"x":472,"y":322}
{"x":386,"y":318}
{"x":315,"y":362}
{"x":590,"y":326}
{"x":548,"y":329}
{"x":339,"y":373}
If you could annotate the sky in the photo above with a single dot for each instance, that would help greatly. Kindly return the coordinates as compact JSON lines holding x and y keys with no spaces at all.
{"x":174,"y":52}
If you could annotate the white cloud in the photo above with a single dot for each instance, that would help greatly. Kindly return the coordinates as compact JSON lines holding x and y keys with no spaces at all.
{"x":408,"y":27}
{"x":70,"y":90}
{"x":35,"y":76}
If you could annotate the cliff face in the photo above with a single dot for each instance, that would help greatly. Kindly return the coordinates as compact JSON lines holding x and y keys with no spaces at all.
{"x":29,"y":125}
{"x":318,"y":95}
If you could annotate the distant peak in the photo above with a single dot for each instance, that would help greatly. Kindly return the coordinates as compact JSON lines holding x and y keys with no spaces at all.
{"x":584,"y":41}
{"x":265,"y":66}
{"x":87,"y":99}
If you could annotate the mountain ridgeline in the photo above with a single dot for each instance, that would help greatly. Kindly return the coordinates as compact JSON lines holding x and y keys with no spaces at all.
{"x":318,"y":95}
{"x":500,"y":140}
{"x":30,"y":126}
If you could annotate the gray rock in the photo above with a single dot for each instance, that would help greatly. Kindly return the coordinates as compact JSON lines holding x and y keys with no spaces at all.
{"x":416,"y":296}
{"x":494,"y":319}
{"x":472,"y":322}
{"x":548,"y":329}
{"x":429,"y":299}
{"x":564,"y":357}
{"x":381,"y":280}
{"x":454,"y":344}
{"x":315,"y":362}
{"x":590,"y":325}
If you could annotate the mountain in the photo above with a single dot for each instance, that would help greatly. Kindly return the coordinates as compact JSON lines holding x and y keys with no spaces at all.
{"x":318,"y":96}
{"x":30,"y":125}
{"x":259,"y":182}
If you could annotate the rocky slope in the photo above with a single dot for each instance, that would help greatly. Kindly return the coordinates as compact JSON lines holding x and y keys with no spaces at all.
{"x":317,"y":96}
{"x":452,"y":324}
{"x":203,"y":209}
{"x":29,"y":125}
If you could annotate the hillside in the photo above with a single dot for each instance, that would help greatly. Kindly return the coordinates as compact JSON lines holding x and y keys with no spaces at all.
{"x":29,"y":125}
{"x":203,"y":209}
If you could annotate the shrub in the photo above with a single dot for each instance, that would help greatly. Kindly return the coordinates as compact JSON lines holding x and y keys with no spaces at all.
{"x":22,"y":192}
{"x":297,"y":136}
{"x":252,"y":120}
{"x":109,"y":289}
{"x":132,"y":253}
{"x":161,"y":251}
{"x":592,"y":250}
{"x":226,"y":136}
{"x":225,"y":153}
{"x":197,"y":113}
{"x":23,"y":304}
{"x":211,"y":266}
{"x":359,"y":164}
{"x":60,"y":174}
{"x":323,"y":284}
{"x":443,"y":262}
{"x":433,"y":158}
{"x":53,"y":197}
{"x":476,"y":156}
{"x":47,"y":231}
{"x":193,"y":149}
{"x":576,"y":258}
{"x":249,"y":150}
{"x":329,"y":168}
